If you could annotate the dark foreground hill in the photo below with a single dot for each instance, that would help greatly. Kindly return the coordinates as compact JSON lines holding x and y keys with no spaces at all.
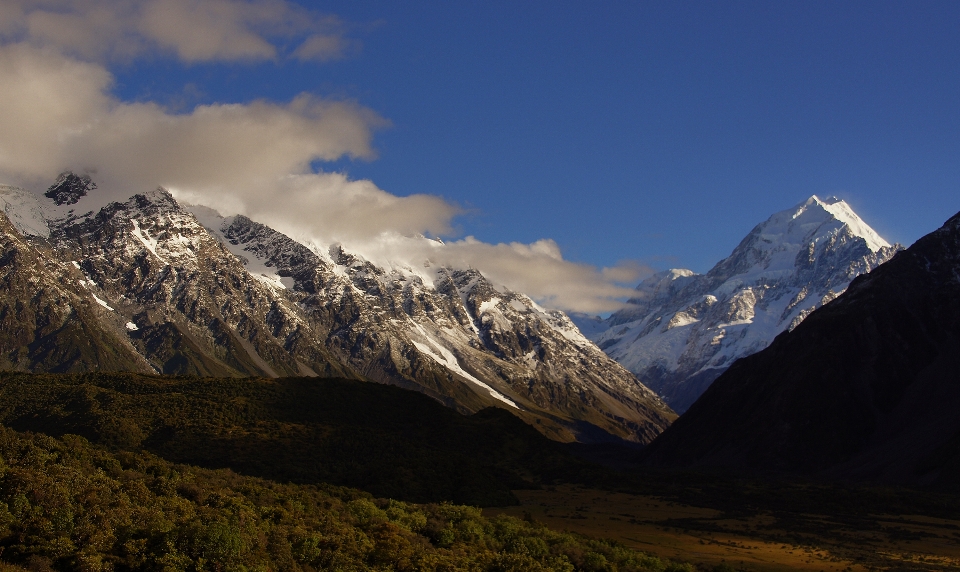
{"x":866,"y":388}
{"x":389,"y":441}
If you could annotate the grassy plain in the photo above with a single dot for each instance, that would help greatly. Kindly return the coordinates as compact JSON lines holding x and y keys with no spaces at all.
{"x":748,"y":539}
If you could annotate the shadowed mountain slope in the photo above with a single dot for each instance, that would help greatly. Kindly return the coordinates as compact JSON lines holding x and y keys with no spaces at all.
{"x":383,"y":439}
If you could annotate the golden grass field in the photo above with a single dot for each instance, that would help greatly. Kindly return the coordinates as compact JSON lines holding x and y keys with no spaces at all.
{"x":756,"y":541}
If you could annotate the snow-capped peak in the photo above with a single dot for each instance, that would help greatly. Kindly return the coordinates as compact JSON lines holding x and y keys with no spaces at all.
{"x":841,"y":212}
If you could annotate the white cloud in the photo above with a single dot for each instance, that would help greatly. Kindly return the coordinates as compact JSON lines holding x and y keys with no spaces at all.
{"x":205,"y":30}
{"x":46,"y":99}
{"x":58,"y":114}
{"x":192,"y":30}
{"x":539,"y":270}
{"x":328,"y":208}
{"x":252,"y":159}
{"x":322,"y":47}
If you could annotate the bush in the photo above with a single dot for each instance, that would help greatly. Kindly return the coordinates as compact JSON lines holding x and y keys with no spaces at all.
{"x":68,"y":505}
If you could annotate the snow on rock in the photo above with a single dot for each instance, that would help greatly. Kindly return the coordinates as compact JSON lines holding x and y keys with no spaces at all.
{"x":144,"y":238}
{"x":448,"y":360}
{"x":101,"y":302}
{"x":24,"y":210}
{"x":500,"y":341}
{"x":489,"y":305}
{"x":233,"y":286}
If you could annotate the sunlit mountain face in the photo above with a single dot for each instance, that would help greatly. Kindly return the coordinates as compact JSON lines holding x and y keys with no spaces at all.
{"x":682,"y":329}
{"x":147,"y":285}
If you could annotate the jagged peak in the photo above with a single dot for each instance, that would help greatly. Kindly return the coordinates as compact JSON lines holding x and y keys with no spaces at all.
{"x":159,"y":197}
{"x":659,"y":284}
{"x":69,"y":188}
{"x":157,"y":200}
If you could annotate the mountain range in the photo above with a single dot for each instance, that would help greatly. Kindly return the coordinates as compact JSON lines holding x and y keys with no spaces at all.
{"x":682,"y":330}
{"x":149,"y":285}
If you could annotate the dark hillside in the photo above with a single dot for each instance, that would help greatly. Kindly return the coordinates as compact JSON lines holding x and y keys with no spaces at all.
{"x":391,"y":442}
{"x":866,"y":388}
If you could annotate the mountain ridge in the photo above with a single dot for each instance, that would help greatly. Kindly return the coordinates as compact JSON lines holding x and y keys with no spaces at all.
{"x":229,"y":296}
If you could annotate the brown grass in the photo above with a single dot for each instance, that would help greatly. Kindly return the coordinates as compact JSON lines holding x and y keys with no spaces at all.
{"x":746,"y":541}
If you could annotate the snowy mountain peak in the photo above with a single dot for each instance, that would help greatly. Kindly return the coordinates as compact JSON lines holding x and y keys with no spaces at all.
{"x":681,"y":330}
{"x":823,"y":210}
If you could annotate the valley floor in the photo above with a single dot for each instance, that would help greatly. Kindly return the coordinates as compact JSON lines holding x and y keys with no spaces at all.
{"x":762,"y":540}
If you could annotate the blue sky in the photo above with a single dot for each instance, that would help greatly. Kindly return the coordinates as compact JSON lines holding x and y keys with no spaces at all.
{"x":636,"y":130}
{"x":660,"y":132}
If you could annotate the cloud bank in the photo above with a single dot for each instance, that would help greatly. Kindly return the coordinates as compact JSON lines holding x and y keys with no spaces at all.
{"x":252,"y":159}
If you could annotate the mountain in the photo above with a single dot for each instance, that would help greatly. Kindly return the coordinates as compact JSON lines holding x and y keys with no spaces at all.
{"x":146,"y":285}
{"x":682,"y":330}
{"x":866,"y":387}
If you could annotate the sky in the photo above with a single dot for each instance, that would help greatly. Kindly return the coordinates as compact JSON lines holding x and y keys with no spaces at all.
{"x":564,"y":148}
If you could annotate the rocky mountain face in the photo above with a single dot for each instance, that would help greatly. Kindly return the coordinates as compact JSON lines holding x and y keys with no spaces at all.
{"x":866,"y":387}
{"x":146,"y":285}
{"x":69,"y":188}
{"x":50,"y":320}
{"x":682,"y":330}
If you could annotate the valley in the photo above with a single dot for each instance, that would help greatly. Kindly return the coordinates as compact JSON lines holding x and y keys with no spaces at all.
{"x":292,"y":286}
{"x":266,"y":439}
{"x":294,"y":364}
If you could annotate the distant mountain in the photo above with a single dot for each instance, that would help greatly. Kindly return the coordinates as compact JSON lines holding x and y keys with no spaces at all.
{"x":682,"y":330}
{"x":866,"y":387}
{"x":145,"y":285}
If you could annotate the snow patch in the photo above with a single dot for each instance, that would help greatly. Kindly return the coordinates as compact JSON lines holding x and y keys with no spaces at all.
{"x":448,"y":360}
{"x":132,"y":327}
{"x":681,"y":319}
{"x":145,"y":239}
{"x":273,"y":280}
{"x":214,"y":223}
{"x":24,"y":211}
{"x":734,"y":323}
{"x":101,"y":302}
